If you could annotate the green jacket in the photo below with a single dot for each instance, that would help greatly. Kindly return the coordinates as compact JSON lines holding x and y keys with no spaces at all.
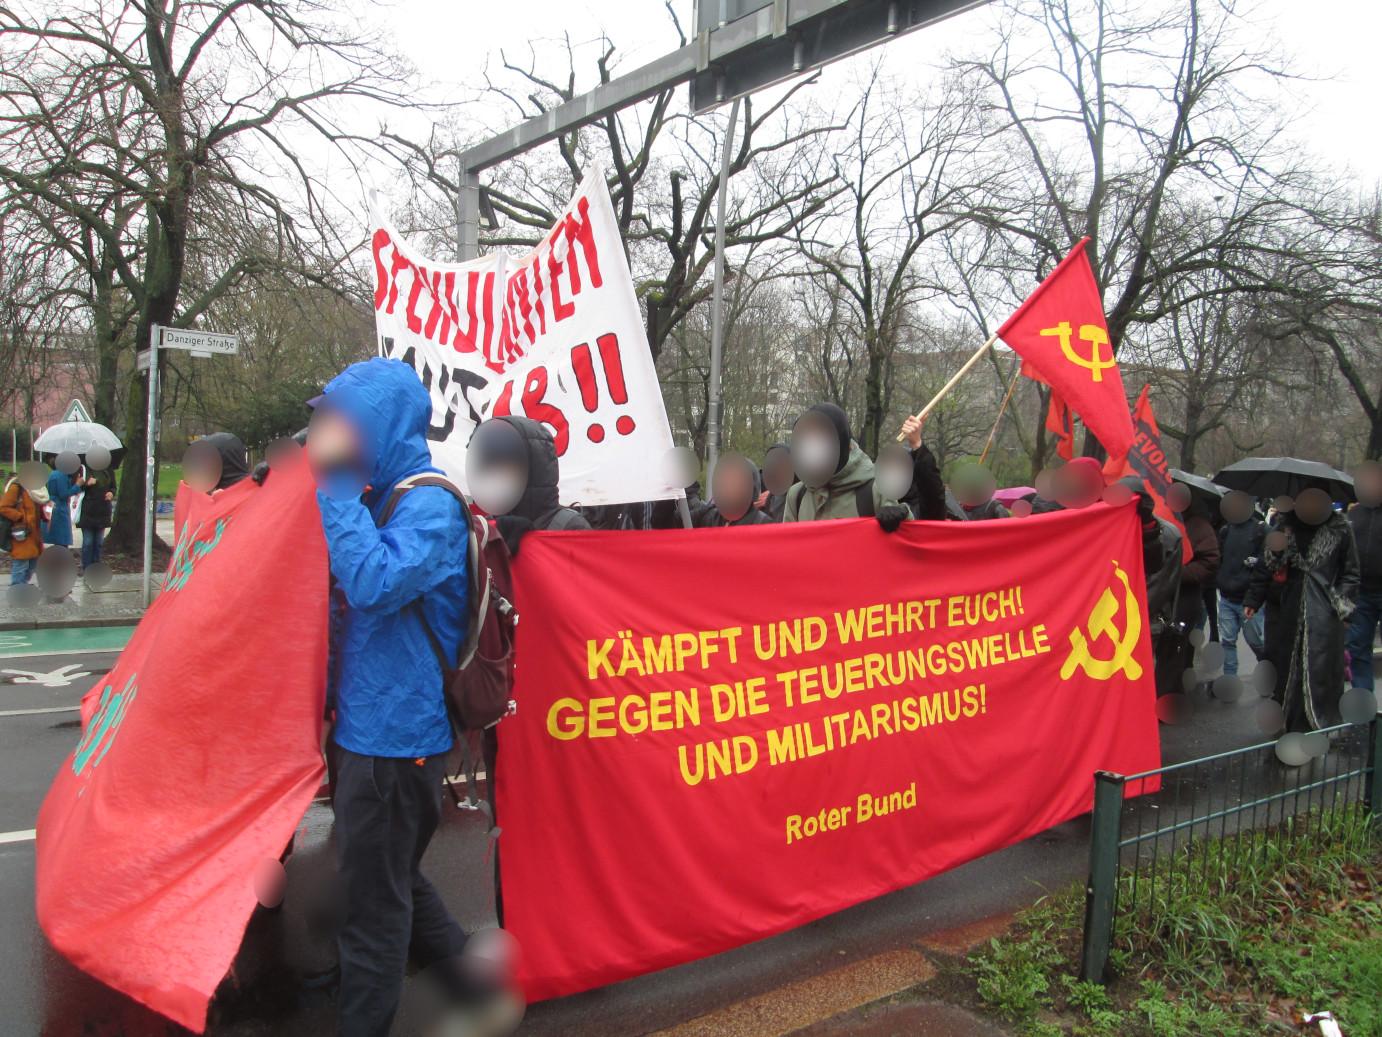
{"x":838,"y":498}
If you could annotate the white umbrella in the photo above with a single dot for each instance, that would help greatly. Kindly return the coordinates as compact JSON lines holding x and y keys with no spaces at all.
{"x":76,"y":436}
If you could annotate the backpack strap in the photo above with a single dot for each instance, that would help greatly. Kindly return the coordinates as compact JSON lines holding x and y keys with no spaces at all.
{"x":863,"y":499}
{"x":474,"y":553}
{"x":565,"y":519}
{"x":800,"y":496}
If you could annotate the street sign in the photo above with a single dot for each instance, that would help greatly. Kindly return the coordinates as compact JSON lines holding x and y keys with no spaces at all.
{"x":199,"y":342}
{"x":75,"y":412}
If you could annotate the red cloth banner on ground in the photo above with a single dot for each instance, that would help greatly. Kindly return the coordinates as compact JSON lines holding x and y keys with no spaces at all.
{"x":199,"y":752}
{"x":1063,"y":340}
{"x":1147,"y":460}
{"x":722,"y":736}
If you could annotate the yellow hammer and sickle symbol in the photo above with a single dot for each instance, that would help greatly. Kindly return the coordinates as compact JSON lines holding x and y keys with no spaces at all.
{"x":1090,"y":333}
{"x":1101,"y":625}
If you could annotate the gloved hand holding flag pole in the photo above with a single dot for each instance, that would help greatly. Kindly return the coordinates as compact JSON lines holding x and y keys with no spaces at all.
{"x":1061,"y":335}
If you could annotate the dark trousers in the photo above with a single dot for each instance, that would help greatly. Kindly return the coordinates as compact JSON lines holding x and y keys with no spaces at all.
{"x":386,"y":812}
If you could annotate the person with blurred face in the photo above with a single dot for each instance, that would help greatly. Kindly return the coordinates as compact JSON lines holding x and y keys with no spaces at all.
{"x":1202,"y":569}
{"x":974,"y":486}
{"x":837,"y":480}
{"x":215,"y":462}
{"x":94,"y":515}
{"x":62,"y":487}
{"x":512,"y":472}
{"x":404,"y":588}
{"x":778,"y":478}
{"x":1312,"y":561}
{"x":1240,"y":549}
{"x":734,"y":489}
{"x":17,"y":504}
{"x":1366,"y":519}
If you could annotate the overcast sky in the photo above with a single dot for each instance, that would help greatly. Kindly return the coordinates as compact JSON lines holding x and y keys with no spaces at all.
{"x":1334,"y":42}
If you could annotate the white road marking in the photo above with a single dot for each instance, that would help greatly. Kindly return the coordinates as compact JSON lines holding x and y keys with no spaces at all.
{"x":18,"y":837}
{"x":33,"y":712}
{"x":59,"y":678}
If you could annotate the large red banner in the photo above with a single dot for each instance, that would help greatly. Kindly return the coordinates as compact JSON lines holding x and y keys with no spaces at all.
{"x":722,"y":735}
{"x":199,"y":752}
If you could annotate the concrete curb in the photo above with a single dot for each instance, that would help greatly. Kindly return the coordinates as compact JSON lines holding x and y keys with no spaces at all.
{"x":79,"y":621}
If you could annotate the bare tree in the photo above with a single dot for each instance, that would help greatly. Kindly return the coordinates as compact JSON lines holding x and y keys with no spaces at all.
{"x":131,"y":124}
{"x":1115,"y":126}
{"x":903,"y":177}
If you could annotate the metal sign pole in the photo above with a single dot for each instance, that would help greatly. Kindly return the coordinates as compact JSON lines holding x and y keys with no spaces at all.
{"x":717,"y":304}
{"x":468,"y":215}
{"x":151,"y":439}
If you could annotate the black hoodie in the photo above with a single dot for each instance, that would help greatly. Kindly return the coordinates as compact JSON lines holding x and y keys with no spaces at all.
{"x":234,"y":464}
{"x":539,"y":507}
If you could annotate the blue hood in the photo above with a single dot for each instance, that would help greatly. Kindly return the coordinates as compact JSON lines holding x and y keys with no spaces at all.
{"x":391,"y":409}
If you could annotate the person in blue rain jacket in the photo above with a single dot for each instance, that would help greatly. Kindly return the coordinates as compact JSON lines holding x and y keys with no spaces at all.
{"x":396,"y":581}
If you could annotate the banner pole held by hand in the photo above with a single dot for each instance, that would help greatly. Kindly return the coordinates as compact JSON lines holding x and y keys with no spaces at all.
{"x":954,"y":380}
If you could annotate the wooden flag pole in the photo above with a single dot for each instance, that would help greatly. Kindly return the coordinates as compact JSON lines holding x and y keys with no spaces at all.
{"x":1002,"y":409}
{"x":954,"y":380}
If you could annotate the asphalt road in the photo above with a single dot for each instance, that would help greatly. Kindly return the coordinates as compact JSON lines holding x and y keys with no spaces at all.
{"x":42,"y":994}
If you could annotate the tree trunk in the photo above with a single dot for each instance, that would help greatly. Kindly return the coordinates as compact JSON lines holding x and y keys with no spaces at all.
{"x":874,"y":413}
{"x":126,"y":534}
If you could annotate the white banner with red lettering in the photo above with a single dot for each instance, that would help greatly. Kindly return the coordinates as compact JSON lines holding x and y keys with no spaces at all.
{"x":555,"y":334}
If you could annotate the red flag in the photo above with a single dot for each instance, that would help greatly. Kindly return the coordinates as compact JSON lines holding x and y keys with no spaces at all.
{"x":1061,"y":423}
{"x":716,"y":769}
{"x":1147,"y":460}
{"x":1063,"y":340}
{"x":199,"y":752}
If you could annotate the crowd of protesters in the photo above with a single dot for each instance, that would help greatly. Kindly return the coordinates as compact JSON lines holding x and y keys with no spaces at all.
{"x":1301,"y":584}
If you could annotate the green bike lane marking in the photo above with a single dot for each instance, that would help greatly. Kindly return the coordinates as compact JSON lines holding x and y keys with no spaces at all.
{"x":57,"y":640}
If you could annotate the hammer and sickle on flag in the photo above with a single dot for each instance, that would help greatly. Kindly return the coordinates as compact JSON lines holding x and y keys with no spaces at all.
{"x":1095,"y":336}
{"x":1063,"y":339}
{"x":1101,"y":626}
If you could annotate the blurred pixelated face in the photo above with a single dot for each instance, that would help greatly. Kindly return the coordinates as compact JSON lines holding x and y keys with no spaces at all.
{"x":1178,"y":497}
{"x":1285,"y":504}
{"x":732,"y":486}
{"x":815,"y":449}
{"x":680,"y":466}
{"x":496,"y":467}
{"x":201,"y":467}
{"x":777,"y":471}
{"x":332,"y":440}
{"x":1077,"y":485}
{"x":1314,"y":506}
{"x":33,"y":475}
{"x":1367,"y":483}
{"x":893,"y":471}
{"x":973,"y":485}
{"x":1236,"y":506}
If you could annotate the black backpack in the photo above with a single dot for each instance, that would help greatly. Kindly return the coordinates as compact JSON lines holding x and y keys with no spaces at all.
{"x":478,"y":684}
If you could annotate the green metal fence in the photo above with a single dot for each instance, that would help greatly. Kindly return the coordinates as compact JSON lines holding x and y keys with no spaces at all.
{"x":1213,"y":814}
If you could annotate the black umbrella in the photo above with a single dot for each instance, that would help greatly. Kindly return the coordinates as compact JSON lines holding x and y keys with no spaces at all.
{"x":1288,"y":476}
{"x":1201,"y":489}
{"x":1198,"y":484}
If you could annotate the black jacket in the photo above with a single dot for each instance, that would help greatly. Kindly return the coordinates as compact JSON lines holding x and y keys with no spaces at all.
{"x":1240,"y":549}
{"x":1316,"y":578}
{"x":1367,"y":531}
{"x":710,"y":518}
{"x":95,"y":511}
{"x":990,"y":509}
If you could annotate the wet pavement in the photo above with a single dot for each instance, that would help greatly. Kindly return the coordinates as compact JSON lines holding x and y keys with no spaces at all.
{"x":871,"y":949}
